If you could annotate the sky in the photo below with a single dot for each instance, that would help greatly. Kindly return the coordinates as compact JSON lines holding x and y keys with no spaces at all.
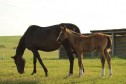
{"x":17,"y":15}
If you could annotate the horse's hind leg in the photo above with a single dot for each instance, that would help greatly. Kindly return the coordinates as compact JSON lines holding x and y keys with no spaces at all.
{"x":34,"y":63}
{"x":36,"y":54}
{"x":109,"y":62}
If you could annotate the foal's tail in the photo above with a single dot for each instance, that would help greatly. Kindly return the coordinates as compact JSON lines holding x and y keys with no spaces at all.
{"x":109,"y":44}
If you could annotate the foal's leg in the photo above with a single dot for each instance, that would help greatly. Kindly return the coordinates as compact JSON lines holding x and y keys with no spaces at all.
{"x":103,"y":63}
{"x":80,"y":63}
{"x":34,"y":63}
{"x":36,"y":54}
{"x":109,"y":62}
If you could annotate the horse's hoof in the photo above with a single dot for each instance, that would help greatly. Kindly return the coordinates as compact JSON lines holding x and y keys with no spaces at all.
{"x":69,"y":75}
{"x":32,"y":73}
{"x":46,"y":75}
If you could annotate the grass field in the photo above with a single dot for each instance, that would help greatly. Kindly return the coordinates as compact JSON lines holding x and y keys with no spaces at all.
{"x":58,"y":68}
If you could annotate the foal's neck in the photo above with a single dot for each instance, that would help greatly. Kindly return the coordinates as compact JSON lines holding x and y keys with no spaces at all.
{"x":73,"y":37}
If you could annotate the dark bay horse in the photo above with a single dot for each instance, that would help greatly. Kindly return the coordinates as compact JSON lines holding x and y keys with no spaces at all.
{"x":81,"y":43}
{"x":42,"y":38}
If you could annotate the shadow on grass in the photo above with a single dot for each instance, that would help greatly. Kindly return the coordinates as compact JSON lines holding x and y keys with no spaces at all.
{"x":50,"y":58}
{"x":18,"y":82}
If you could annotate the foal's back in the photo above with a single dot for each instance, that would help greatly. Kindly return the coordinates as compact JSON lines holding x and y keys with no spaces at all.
{"x":93,"y":42}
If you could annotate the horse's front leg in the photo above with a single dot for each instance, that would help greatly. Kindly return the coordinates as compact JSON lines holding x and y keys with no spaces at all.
{"x":71,"y":58}
{"x":36,"y":54}
{"x":34,"y":64}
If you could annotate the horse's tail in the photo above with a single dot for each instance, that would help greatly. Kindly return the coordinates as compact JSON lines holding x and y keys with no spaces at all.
{"x":109,"y":44}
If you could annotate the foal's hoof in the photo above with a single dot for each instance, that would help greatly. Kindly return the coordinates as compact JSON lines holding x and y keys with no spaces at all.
{"x":102,"y":76}
{"x":80,"y":76}
{"x":110,"y":75}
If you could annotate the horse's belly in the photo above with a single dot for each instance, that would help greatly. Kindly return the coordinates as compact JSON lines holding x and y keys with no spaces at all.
{"x":47,"y":43}
{"x":48,"y":47}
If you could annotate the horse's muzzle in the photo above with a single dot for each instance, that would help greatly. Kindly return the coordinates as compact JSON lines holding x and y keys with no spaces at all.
{"x":21,"y":72}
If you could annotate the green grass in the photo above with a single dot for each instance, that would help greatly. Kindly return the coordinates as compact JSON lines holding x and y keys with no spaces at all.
{"x":58,"y":68}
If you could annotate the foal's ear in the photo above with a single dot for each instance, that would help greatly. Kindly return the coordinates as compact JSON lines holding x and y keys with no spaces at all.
{"x":63,"y":28}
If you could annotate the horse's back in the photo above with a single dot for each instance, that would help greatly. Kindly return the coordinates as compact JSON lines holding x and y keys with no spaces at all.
{"x":44,"y":38}
{"x":41,"y":38}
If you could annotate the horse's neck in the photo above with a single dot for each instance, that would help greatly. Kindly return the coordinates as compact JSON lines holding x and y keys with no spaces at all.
{"x":21,"y":47}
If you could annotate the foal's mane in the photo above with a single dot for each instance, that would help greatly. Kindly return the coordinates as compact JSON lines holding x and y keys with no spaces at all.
{"x":82,"y":35}
{"x":70,"y":31}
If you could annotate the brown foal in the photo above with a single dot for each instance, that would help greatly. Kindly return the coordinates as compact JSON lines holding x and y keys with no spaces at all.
{"x":81,"y":44}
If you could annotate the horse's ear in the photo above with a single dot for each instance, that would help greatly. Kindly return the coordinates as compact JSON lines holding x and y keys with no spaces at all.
{"x":12,"y":57}
{"x":24,"y":60}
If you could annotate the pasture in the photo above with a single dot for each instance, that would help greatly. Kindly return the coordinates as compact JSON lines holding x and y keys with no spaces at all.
{"x":58,"y":68}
